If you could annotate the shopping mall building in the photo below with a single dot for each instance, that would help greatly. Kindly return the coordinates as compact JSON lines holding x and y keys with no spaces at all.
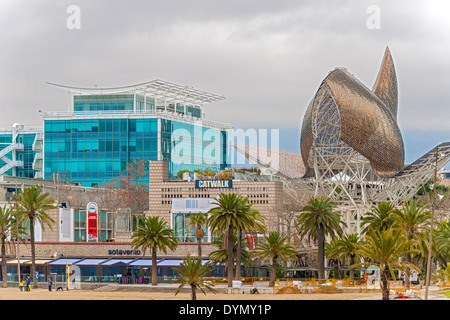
{"x":77,"y":151}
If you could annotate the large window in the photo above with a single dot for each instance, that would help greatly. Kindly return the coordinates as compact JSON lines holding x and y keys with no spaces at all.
{"x":94,"y":103}
{"x":186,"y":146}
{"x":184,"y":232}
{"x":95,"y":151}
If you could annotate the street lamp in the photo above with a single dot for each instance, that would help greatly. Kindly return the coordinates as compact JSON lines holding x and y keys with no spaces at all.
{"x":428,"y":275}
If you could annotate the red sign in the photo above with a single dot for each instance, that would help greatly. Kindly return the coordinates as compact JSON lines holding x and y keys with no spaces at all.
{"x":249,"y":242}
{"x":92,"y":224}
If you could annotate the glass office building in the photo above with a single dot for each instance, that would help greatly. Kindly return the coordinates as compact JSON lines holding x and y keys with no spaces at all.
{"x":106,"y":129}
{"x":21,"y":151}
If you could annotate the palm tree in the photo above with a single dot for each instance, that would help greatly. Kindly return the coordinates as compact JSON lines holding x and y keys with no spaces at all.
{"x":153,"y":234}
{"x":9,"y":227}
{"x":384,"y":248}
{"x":32,"y":206}
{"x":192,"y":271}
{"x":413,"y":220}
{"x":198,"y":220}
{"x":256,"y":223}
{"x":317,"y":220}
{"x":220,"y":256}
{"x":444,"y":274}
{"x":275,"y":246}
{"x":442,"y":243}
{"x":379,"y":216}
{"x":346,"y":247}
{"x":230,"y":214}
{"x":331,"y":253}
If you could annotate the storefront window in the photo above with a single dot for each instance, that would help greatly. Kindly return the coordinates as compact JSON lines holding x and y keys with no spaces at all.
{"x":184,"y":232}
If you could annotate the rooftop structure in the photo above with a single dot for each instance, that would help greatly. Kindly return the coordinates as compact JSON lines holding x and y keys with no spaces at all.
{"x":140,"y":98}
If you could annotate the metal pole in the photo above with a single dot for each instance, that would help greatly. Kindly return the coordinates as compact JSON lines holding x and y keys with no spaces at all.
{"x":18,"y":254}
{"x":428,"y":276}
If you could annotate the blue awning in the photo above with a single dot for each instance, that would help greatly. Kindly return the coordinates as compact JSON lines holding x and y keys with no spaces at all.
{"x":175,"y":262}
{"x":170,"y":263}
{"x":143,"y":262}
{"x":63,"y":262}
{"x":89,"y":262}
{"x":117,"y":261}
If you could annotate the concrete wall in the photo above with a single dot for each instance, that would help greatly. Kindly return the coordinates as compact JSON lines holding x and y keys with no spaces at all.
{"x":266,"y":195}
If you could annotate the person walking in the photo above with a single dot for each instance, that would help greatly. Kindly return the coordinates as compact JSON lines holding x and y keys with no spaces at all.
{"x":50,"y":282}
{"x":21,"y":285}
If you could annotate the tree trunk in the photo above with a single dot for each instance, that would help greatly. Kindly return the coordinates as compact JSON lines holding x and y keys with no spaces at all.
{"x":321,"y":253}
{"x":199,"y":247}
{"x":351,"y":270}
{"x":336,"y":268}
{"x":33,"y":254}
{"x":4,"y":274}
{"x":407,"y":280}
{"x":238,"y":255}
{"x":199,"y":234}
{"x":193,"y":293}
{"x":385,"y":284}
{"x":154,"y":268}
{"x":230,"y":256}
{"x":273,"y":272}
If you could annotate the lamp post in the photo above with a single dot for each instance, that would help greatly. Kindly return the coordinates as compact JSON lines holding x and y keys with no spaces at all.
{"x":428,"y":275}
{"x":17,"y":242}
{"x":18,"y":254}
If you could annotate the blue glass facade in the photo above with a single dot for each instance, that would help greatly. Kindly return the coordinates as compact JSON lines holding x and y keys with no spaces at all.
{"x":94,"y":151}
{"x":114,"y":103}
{"x":187,"y":146}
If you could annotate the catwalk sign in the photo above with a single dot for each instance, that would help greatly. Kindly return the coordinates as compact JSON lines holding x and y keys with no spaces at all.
{"x":213,"y":184}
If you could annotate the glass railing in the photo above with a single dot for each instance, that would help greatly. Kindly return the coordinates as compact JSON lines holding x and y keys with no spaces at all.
{"x":61,"y":279}
{"x":13,"y":277}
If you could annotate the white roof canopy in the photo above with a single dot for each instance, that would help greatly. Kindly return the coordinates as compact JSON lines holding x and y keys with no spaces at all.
{"x":158,"y":89}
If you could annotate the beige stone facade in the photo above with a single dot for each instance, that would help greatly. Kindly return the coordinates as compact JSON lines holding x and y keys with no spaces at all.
{"x":265,"y":195}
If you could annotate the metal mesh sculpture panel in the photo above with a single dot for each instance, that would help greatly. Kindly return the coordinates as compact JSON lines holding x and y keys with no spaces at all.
{"x":366,"y":123}
{"x":385,"y":86}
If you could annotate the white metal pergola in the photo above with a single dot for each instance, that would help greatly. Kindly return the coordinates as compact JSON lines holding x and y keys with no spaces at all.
{"x":167,"y":92}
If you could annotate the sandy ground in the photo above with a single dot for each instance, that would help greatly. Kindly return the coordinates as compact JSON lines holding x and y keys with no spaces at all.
{"x":42,"y":294}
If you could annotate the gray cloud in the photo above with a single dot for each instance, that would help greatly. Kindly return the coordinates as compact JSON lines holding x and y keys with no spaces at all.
{"x":267,"y":57}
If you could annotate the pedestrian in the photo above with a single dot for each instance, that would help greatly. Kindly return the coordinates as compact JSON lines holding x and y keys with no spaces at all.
{"x":50,"y":283}
{"x":21,"y":285}
{"x":26,"y":284}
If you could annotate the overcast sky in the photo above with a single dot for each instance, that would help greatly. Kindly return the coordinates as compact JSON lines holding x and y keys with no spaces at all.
{"x":267,"y":58}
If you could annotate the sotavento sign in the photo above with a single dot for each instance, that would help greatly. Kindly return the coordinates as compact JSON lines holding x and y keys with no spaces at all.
{"x":214,"y":183}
